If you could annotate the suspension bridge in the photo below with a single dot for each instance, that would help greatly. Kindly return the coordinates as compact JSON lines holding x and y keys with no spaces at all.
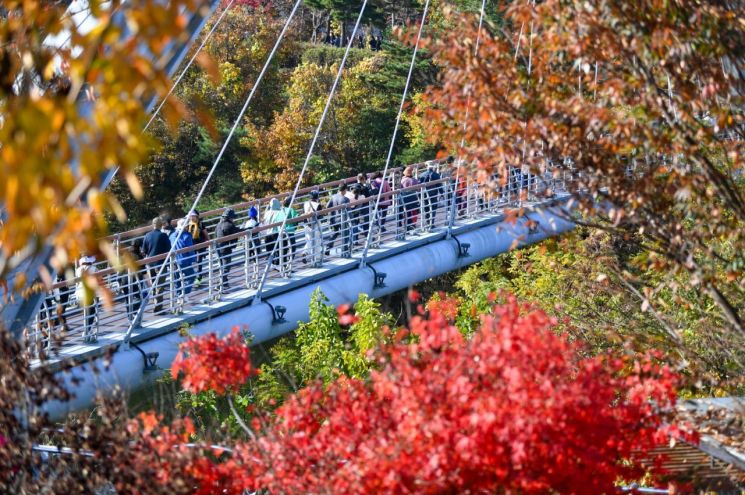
{"x":262,"y":277}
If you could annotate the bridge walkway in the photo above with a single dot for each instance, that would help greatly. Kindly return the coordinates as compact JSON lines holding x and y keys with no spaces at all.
{"x":311,"y":248}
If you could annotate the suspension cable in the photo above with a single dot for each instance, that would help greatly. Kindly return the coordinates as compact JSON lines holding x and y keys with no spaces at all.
{"x":312,"y":147}
{"x":238,"y":120}
{"x":465,"y":122}
{"x":188,"y":65}
{"x":374,"y":215}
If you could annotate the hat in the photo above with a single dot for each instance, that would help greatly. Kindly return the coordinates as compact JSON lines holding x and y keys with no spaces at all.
{"x":193,"y":213}
{"x":253,"y":212}
{"x":314,"y":194}
{"x":87,"y":260}
{"x":229,"y":213}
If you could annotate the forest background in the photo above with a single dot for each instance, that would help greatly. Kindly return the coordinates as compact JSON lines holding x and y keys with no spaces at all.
{"x":269,"y":148}
{"x":603,"y":284}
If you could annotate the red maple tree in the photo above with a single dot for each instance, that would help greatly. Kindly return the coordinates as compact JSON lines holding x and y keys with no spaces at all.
{"x":209,"y":363}
{"x":511,"y":409}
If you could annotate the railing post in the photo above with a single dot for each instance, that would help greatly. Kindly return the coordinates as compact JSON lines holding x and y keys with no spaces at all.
{"x":172,"y":283}
{"x":130,"y":296}
{"x":246,"y":251}
{"x":398,"y":205}
{"x":256,"y":256}
{"x":466,"y":197}
{"x":96,"y":322}
{"x":346,"y":233}
{"x":37,"y":333}
{"x":51,"y":325}
{"x":317,"y":247}
{"x":283,"y":258}
{"x":377,"y":224}
{"x":452,"y":206}
{"x":422,"y":210}
{"x":211,"y":250}
{"x":137,"y":320}
{"x":86,"y":323}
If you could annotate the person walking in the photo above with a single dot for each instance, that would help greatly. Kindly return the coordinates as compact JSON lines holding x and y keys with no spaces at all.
{"x":226,"y":227}
{"x":185,"y":277}
{"x":288,"y":234}
{"x":338,"y":221}
{"x":353,"y":218}
{"x":431,"y":195}
{"x":410,"y":199}
{"x":385,"y":199}
{"x":363,"y":191}
{"x":270,"y":217}
{"x":86,"y":299}
{"x":313,"y":236}
{"x":168,"y":226}
{"x":252,"y":245}
{"x":131,"y":281}
{"x":156,"y":243}
{"x":199,"y":235}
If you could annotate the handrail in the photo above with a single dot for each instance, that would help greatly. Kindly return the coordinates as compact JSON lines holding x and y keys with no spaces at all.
{"x":257,"y":230}
{"x":327,"y":234}
{"x":128,"y":234}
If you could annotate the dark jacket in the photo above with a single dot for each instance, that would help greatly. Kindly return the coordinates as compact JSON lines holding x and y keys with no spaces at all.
{"x":225,"y":228}
{"x":337,"y":199}
{"x":155,"y":243}
{"x":431,"y":176}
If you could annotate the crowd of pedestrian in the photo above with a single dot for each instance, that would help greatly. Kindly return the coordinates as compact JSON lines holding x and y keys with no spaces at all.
{"x":337,"y":224}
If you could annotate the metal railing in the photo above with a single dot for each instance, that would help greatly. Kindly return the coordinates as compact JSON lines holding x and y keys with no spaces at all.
{"x":205,"y":273}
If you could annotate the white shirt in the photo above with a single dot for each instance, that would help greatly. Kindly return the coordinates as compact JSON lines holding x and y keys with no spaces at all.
{"x":310,"y":206}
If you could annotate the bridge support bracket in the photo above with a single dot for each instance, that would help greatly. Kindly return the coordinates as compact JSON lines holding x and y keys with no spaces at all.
{"x":149,"y":359}
{"x":278,"y":313}
{"x":463,"y":248}
{"x":379,"y":278}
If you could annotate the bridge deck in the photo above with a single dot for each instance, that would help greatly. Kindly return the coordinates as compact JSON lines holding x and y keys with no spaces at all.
{"x":417,"y":215}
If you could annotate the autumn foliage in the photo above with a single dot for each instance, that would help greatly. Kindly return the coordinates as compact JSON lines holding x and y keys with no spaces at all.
{"x":513,"y":408}
{"x":639,"y":103}
{"x":209,"y":363}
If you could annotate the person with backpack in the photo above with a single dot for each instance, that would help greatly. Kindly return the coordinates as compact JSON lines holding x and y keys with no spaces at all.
{"x":289,"y":246}
{"x":252,"y":245}
{"x":385,"y":199}
{"x":184,"y":275}
{"x":338,"y":221}
{"x":270,"y":217}
{"x":199,"y":235}
{"x":312,"y":227}
{"x":225,"y":248}
{"x":431,"y":195}
{"x":156,"y":243}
